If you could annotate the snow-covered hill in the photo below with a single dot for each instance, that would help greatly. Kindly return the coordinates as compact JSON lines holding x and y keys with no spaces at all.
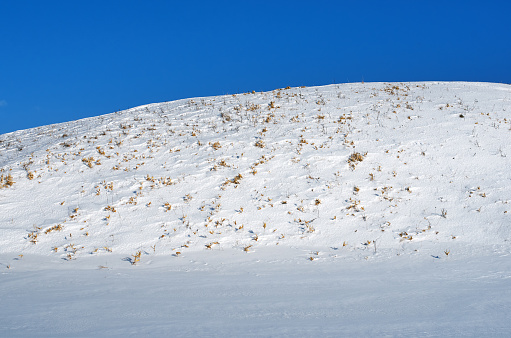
{"x":340,"y":174}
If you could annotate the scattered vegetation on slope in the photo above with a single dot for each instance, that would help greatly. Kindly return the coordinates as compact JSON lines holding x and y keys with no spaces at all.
{"x":354,"y":169}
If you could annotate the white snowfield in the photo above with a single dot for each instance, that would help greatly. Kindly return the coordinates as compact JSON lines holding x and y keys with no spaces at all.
{"x":370,"y":209}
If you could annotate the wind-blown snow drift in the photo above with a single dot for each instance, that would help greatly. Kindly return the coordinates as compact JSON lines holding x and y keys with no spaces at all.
{"x":342,"y":171}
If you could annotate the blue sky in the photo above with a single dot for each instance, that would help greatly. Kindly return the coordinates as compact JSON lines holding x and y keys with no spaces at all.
{"x":66,"y":60}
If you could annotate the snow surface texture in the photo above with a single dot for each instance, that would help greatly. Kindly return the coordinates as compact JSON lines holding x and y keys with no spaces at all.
{"x":355,"y":209}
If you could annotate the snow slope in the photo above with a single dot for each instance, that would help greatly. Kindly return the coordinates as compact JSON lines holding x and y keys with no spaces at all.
{"x":357,"y":209}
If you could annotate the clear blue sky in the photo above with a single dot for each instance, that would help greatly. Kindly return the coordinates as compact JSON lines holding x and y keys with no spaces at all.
{"x":65,"y":60}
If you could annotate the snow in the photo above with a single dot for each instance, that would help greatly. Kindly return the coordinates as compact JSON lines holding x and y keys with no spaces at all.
{"x":352,"y":209}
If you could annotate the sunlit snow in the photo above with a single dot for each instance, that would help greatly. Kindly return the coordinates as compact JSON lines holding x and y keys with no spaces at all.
{"x":365,"y":209}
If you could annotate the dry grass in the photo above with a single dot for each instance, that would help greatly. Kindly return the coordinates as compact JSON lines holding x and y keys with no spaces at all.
{"x":6,"y":181}
{"x":259,"y":144}
{"x":216,"y":145}
{"x":136,"y":257}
